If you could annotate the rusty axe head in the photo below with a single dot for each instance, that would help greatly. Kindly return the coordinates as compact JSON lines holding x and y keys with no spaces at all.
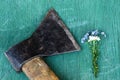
{"x":50,"y":38}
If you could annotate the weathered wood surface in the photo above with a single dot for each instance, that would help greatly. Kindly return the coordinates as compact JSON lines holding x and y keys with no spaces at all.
{"x":37,"y":69}
{"x":19,"y":18}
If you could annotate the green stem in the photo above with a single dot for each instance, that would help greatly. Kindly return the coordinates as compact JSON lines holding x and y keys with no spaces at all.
{"x":95,"y":52}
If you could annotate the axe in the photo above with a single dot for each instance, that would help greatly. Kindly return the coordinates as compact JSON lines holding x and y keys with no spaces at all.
{"x":50,"y":38}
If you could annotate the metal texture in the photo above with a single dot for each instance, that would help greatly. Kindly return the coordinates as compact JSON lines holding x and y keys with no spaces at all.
{"x":50,"y":38}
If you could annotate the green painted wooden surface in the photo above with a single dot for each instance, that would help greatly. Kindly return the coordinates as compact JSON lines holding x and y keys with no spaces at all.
{"x":19,"y":18}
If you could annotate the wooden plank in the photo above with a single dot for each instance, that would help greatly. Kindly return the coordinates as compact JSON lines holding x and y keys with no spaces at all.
{"x":19,"y":18}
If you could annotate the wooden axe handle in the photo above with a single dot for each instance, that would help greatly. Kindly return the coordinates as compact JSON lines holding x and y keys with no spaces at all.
{"x":37,"y":69}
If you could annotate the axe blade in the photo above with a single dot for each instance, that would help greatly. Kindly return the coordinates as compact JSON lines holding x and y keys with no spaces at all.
{"x":50,"y":38}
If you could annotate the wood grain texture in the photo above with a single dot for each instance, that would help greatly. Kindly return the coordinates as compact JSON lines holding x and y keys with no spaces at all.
{"x":37,"y":69}
{"x":19,"y":18}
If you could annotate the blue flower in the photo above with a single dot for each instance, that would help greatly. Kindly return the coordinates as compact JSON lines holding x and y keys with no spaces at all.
{"x":103,"y":33}
{"x":95,"y":33}
{"x":83,"y":40}
{"x":86,"y":36}
{"x":94,"y":37}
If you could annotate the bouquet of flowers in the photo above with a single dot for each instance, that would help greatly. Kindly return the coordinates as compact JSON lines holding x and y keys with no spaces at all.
{"x":93,"y":38}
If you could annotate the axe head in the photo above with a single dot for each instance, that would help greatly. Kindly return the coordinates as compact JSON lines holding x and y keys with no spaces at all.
{"x":50,"y":38}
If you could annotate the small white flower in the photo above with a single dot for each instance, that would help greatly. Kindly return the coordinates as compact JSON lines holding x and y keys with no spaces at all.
{"x":93,"y":38}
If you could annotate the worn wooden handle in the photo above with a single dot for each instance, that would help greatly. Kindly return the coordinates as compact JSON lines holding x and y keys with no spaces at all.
{"x":37,"y":69}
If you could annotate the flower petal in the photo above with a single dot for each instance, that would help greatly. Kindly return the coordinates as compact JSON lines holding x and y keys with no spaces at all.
{"x":95,"y":33}
{"x":103,"y":33}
